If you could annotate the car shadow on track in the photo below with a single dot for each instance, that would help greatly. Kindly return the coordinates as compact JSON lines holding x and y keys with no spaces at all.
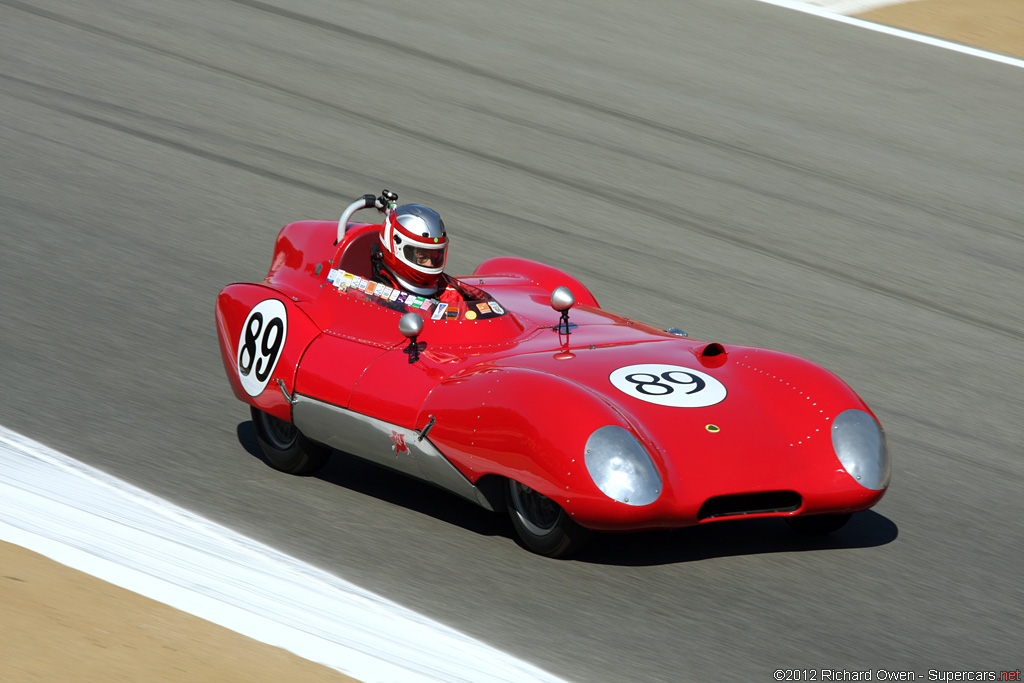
{"x":732,"y":538}
{"x":361,"y":476}
{"x":720,"y":539}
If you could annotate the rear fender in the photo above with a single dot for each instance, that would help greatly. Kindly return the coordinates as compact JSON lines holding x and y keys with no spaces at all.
{"x":305,"y":252}
{"x":299,"y":249}
{"x":262,"y":335}
{"x":543,"y":276}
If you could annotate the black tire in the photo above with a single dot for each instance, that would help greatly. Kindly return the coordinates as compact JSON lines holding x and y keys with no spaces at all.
{"x":285,"y":447}
{"x":818,"y":524}
{"x":542,"y":525}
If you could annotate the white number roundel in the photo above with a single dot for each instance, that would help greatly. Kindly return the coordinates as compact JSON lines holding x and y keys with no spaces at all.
{"x":668,"y":385}
{"x":260,"y":344}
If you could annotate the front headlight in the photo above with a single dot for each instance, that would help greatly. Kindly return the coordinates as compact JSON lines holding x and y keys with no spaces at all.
{"x":621,"y":468}
{"x":860,"y":444}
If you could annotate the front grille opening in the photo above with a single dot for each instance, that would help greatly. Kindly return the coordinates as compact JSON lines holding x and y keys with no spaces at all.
{"x":749,"y":504}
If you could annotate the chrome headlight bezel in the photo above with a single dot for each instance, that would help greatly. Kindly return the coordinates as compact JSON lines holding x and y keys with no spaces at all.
{"x":859,"y":443}
{"x":621,"y":467}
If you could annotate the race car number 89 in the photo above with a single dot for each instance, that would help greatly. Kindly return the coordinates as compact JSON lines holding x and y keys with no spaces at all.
{"x":668,"y":385}
{"x":260,"y":344}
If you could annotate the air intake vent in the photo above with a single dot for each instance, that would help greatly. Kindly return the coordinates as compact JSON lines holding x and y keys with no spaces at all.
{"x":712,"y":349}
{"x":711,"y":355}
{"x":750,"y":504}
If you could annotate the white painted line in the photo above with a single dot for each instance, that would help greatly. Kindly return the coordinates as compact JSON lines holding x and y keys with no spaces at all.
{"x":93,"y":522}
{"x":852,"y":6}
{"x":810,"y":8}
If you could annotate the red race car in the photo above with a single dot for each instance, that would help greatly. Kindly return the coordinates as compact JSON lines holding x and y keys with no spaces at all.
{"x":522,"y":394}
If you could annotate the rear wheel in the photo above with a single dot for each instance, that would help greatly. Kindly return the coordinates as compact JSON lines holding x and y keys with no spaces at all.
{"x":818,"y":524}
{"x":542,"y":525}
{"x":285,"y":447}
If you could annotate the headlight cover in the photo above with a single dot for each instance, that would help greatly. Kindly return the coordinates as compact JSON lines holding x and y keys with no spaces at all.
{"x":860,"y":445}
{"x":621,"y":467}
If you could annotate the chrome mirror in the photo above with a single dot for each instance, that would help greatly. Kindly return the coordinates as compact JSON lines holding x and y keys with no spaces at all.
{"x":562,"y":300}
{"x":411,"y":325}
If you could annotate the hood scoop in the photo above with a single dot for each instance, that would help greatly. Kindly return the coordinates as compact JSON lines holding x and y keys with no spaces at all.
{"x":711,"y":355}
{"x":710,"y":350}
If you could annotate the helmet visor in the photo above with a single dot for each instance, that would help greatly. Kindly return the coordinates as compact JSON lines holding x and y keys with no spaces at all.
{"x":431,"y":258}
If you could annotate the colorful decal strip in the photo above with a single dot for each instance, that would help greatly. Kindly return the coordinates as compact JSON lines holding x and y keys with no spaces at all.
{"x":437,"y":310}
{"x":669,"y":385}
{"x":348,"y":281}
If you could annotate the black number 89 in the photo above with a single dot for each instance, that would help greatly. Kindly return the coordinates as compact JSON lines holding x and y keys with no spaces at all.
{"x":646,"y":386}
{"x":269,"y":341}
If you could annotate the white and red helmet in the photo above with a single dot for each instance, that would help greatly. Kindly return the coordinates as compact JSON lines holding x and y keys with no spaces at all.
{"x":414,"y":247}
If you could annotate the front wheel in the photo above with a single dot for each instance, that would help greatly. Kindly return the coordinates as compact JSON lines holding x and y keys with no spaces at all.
{"x":285,"y":447}
{"x":818,"y":524}
{"x":542,"y":525}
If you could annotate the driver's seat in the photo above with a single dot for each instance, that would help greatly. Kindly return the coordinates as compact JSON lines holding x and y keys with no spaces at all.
{"x":355,"y":256}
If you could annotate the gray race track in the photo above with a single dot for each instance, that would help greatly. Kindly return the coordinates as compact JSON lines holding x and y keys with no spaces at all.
{"x":750,"y":174}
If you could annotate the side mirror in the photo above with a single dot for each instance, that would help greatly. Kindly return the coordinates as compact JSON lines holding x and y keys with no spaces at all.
{"x":562,"y":300}
{"x":411,"y":325}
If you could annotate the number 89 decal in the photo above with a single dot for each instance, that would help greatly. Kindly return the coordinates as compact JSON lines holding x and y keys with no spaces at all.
{"x":260,"y":344}
{"x":668,"y":385}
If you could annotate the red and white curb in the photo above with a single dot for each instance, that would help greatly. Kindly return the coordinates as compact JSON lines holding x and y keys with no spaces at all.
{"x":98,"y":524}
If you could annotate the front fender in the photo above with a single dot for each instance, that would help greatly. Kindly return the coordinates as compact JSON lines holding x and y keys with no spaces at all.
{"x":526,"y":425}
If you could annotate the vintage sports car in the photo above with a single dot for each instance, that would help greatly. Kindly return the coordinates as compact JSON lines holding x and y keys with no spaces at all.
{"x":533,"y":400}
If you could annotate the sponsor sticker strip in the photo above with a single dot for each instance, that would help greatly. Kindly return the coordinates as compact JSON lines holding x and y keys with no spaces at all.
{"x":437,"y":310}
{"x":345,"y":281}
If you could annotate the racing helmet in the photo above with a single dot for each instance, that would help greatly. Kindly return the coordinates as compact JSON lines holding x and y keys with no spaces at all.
{"x":415,"y":246}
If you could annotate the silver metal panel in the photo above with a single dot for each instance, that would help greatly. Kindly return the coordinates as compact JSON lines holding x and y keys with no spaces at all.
{"x":860,"y":445}
{"x":383,"y":443}
{"x":621,"y":467}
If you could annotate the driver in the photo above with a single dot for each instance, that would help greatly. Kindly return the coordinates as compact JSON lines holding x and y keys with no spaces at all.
{"x":411,"y":255}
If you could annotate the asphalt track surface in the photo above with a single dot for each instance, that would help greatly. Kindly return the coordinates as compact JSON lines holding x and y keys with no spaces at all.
{"x":750,"y":174}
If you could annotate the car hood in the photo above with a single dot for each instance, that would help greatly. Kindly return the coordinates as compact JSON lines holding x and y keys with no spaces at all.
{"x":725,"y":419}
